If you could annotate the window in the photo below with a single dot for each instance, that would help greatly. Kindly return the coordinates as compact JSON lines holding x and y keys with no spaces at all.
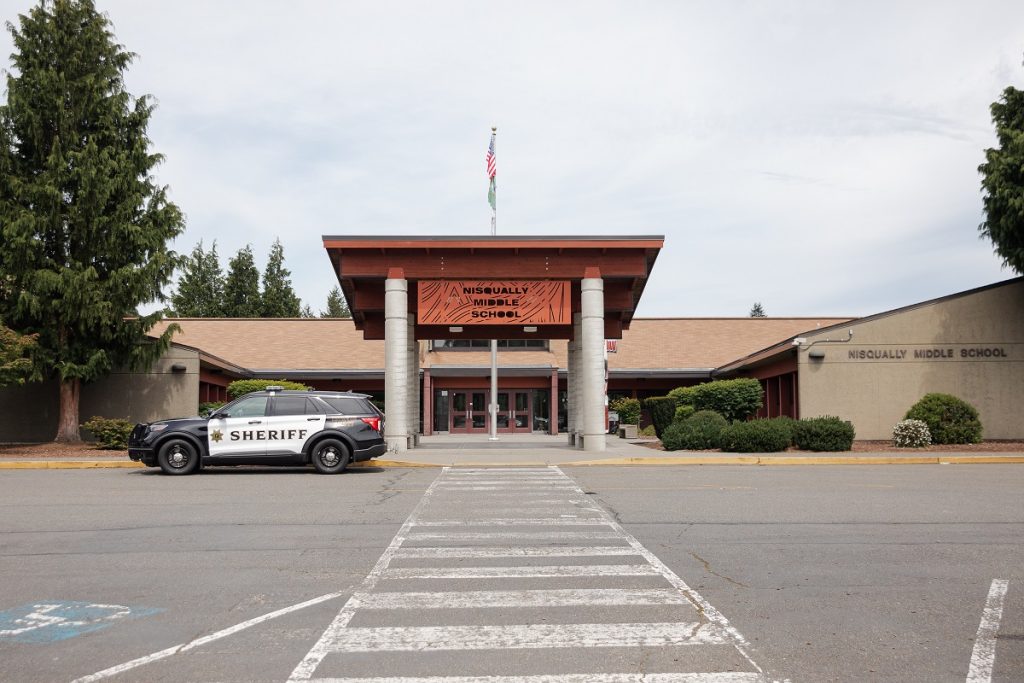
{"x":349,"y":406}
{"x":293,"y":405}
{"x":255,"y":406}
{"x":484,"y":344}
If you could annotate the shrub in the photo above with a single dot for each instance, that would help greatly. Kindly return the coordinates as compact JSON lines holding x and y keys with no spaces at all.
{"x":790,"y":424}
{"x":208,"y":408}
{"x":826,"y":433}
{"x":755,"y":436}
{"x":628,"y":410}
{"x":112,"y":433}
{"x":663,"y":410}
{"x":949,"y":419}
{"x":683,"y":412}
{"x":733,"y":399}
{"x":244,"y":386}
{"x":683,"y":395}
{"x":698,"y":432}
{"x":911,"y":434}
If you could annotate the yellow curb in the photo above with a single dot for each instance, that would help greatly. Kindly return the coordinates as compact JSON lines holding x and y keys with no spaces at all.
{"x":392,"y":463}
{"x":979,"y":459}
{"x":673,"y":460}
{"x":67,"y":464}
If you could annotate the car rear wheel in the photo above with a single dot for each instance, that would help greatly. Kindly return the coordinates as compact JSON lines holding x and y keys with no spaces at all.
{"x":330,"y":456}
{"x":178,"y":456}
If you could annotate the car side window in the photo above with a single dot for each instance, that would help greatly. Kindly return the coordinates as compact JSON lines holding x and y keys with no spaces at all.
{"x":289,"y":405}
{"x":256,"y":406}
{"x":347,"y":406}
{"x":315,"y":407}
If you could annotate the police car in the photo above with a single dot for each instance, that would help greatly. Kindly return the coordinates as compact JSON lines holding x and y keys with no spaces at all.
{"x":327,"y":429}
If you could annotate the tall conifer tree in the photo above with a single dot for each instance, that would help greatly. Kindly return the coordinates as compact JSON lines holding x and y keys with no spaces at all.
{"x":201,"y":288}
{"x":279,"y":299}
{"x":242,"y":286}
{"x":85,"y":227}
{"x":337,"y":307}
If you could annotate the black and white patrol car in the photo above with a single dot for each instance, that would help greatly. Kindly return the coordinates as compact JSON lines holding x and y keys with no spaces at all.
{"x":327,"y":429}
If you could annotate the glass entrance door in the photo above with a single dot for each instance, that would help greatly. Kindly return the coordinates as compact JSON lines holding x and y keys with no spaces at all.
{"x":513,"y":411}
{"x":468,"y":412}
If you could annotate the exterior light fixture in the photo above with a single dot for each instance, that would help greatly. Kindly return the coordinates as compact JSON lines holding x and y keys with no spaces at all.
{"x":816,"y":354}
{"x":455,"y":329}
{"x":530,"y":328}
{"x":178,"y":367}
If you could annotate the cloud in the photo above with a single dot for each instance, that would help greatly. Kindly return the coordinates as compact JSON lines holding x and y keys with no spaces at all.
{"x":817,"y":157}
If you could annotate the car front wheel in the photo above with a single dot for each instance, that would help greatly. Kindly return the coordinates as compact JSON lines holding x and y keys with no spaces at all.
{"x":330,"y":456}
{"x":178,"y":456}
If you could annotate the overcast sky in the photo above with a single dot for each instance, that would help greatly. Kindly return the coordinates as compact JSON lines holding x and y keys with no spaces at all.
{"x":818,"y":157}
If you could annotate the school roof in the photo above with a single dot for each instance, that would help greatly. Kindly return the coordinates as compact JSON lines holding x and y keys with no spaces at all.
{"x":650,"y":345}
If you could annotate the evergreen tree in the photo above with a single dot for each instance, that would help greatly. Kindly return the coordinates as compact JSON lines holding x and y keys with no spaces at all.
{"x":279,"y":299}
{"x":337,"y":307}
{"x":85,"y":228}
{"x":1002,"y":181}
{"x":242,"y":286}
{"x":307,"y":312}
{"x":201,"y":288}
{"x":757,"y":310}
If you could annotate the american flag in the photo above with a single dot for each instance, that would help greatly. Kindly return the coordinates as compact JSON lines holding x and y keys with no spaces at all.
{"x":492,"y":163}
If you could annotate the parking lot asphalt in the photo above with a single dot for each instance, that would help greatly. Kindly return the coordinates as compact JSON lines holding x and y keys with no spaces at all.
{"x":817,"y":574}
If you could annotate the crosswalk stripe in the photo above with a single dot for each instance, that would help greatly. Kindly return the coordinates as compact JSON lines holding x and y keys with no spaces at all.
{"x":516,"y":551}
{"x":711,"y":677}
{"x":520,"y":572}
{"x":512,"y":521}
{"x":523,"y":636}
{"x":526,"y":598}
{"x":511,"y":535}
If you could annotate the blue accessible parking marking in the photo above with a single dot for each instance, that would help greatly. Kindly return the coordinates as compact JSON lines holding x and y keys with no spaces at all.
{"x":47,"y":622}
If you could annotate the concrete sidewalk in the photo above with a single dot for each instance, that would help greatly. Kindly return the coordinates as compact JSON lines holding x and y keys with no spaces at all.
{"x":541,"y":449}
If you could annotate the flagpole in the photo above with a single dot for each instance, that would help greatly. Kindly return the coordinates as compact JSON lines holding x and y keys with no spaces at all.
{"x":494,"y":342}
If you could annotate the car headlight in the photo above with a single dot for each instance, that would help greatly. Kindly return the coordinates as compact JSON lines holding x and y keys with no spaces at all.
{"x":157,"y":427}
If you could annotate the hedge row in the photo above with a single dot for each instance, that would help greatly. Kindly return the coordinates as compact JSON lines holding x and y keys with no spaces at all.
{"x":707,"y":429}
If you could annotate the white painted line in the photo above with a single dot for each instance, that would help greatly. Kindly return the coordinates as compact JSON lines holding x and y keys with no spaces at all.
{"x":512,"y":535}
{"x":705,"y":607}
{"x":524,"y":637}
{"x":528,"y":598}
{"x":983,"y":656}
{"x":538,"y":490}
{"x":519,"y":551}
{"x":521,"y":521}
{"x":185,"y":647}
{"x":716,"y":677}
{"x":304,"y":670}
{"x":520,"y":572}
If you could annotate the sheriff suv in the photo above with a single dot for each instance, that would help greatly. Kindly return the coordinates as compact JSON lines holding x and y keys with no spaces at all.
{"x":328,"y":429}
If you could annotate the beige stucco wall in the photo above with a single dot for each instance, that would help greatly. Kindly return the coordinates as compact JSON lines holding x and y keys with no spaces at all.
{"x":875,"y":392}
{"x":29,"y":413}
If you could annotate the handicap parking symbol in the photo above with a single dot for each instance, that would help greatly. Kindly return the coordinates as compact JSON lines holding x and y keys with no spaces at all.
{"x":47,"y":622}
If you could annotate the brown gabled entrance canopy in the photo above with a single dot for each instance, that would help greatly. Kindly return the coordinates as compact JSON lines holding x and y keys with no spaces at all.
{"x":363,"y":263}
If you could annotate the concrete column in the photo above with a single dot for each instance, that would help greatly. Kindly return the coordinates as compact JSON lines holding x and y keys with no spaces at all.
{"x":396,"y":361}
{"x":570,"y":384}
{"x":413,"y":383}
{"x":592,"y":361}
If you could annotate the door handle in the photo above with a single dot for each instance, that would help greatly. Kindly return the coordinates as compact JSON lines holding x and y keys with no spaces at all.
{"x":312,"y":419}
{"x":255,"y":422}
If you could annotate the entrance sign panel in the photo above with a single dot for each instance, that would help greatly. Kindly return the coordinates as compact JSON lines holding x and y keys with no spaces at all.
{"x":494,"y":302}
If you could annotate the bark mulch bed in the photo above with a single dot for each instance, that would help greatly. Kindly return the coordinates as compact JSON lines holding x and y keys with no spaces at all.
{"x":40,"y":451}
